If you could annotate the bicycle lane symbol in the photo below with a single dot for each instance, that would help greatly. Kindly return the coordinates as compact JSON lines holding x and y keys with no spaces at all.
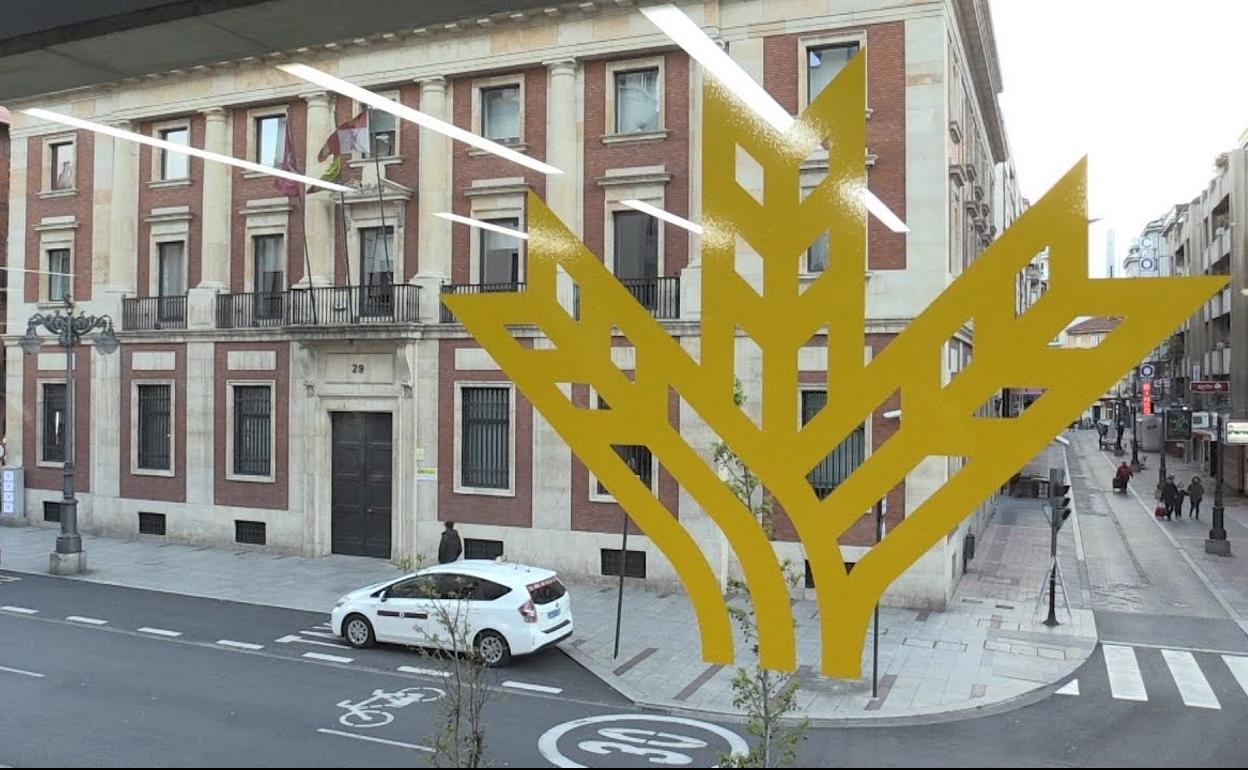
{"x":374,"y":710}
{"x":643,"y":740}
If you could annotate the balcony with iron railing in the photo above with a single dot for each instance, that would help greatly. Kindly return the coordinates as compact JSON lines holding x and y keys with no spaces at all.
{"x":153,"y":313}
{"x":320,"y":307}
{"x":448,"y":317}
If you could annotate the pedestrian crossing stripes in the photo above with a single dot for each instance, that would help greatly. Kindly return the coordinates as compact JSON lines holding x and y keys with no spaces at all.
{"x":1149,"y":672}
{"x":1124,"y":673}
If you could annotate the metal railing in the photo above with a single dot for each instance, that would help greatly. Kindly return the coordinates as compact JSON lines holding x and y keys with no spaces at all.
{"x":322,"y":306}
{"x":661,"y":296}
{"x":351,"y":305}
{"x":474,"y":288}
{"x":147,"y":313}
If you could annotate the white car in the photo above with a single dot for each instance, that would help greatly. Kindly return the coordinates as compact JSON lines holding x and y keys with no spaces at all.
{"x":510,"y":609}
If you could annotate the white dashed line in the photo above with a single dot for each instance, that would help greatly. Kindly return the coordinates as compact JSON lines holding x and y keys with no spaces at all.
{"x":327,"y":658}
{"x":20,"y":610}
{"x":160,"y":632}
{"x":425,"y":671}
{"x":288,"y":639}
{"x":533,"y":687}
{"x":240,"y":645}
{"x":370,"y":739}
{"x":320,"y":634}
{"x":31,"y":674}
{"x":88,"y":621}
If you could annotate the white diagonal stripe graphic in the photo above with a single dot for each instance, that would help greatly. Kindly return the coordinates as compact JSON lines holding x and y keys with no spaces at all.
{"x":1239,"y":669}
{"x":1125,"y":682}
{"x":1192,"y":684}
{"x":1070,"y":688}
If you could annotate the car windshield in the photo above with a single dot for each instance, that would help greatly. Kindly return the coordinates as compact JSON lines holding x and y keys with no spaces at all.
{"x":547,"y":591}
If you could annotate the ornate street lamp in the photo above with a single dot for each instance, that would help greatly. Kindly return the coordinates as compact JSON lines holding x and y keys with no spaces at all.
{"x":69,"y":331}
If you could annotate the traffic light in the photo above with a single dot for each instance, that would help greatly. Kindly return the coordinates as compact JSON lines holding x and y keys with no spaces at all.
{"x":1060,"y":495}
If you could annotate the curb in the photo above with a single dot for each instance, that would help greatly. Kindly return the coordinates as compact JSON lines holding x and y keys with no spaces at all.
{"x":958,"y":714}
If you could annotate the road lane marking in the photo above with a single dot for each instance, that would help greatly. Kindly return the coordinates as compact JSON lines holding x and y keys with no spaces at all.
{"x":240,"y":645}
{"x":20,"y":610}
{"x":31,"y":674}
{"x":1209,"y":650}
{"x":1125,"y":682}
{"x":320,"y":634}
{"x":294,"y":638}
{"x":1192,"y":684}
{"x":327,"y":658}
{"x":1238,"y":665}
{"x":87,"y":621}
{"x":371,"y":739}
{"x":425,"y":671}
{"x":160,"y":632}
{"x":1070,"y":688}
{"x":532,"y":687}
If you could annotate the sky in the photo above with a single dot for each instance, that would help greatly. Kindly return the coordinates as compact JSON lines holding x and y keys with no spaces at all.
{"x":1149,"y":90}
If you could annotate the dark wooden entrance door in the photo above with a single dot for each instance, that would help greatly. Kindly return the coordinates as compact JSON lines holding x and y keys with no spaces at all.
{"x":362,"y":483}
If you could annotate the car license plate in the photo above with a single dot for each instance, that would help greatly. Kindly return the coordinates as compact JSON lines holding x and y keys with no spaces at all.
{"x":553,"y":614}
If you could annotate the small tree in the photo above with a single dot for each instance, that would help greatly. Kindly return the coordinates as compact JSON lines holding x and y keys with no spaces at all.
{"x":460,"y":740}
{"x":767,"y":697}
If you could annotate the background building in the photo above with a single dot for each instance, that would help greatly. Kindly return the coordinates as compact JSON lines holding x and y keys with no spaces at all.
{"x":287,"y":376}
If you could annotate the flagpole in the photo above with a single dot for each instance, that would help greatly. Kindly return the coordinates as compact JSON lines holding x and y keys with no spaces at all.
{"x":381,"y":205}
{"x":307,"y":260}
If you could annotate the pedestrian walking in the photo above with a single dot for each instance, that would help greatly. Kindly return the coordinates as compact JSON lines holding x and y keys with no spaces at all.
{"x":450,"y":548}
{"x":1196,"y":492}
{"x":1170,"y":496}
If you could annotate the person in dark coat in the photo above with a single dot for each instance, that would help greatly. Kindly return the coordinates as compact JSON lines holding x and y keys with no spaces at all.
{"x":1196,"y":492}
{"x":1170,"y":496}
{"x":450,"y":548}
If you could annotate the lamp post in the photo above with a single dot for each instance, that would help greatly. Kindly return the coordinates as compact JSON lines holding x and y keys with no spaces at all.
{"x":1217,"y":543}
{"x":69,"y":330}
{"x":1161,"y":462}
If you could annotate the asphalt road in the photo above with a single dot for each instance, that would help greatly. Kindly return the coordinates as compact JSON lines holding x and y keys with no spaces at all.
{"x":109,"y":694}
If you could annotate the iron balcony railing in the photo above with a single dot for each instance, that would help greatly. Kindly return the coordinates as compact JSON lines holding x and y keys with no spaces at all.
{"x":148,"y":313}
{"x":322,"y":306}
{"x":661,"y":296}
{"x":474,"y":288}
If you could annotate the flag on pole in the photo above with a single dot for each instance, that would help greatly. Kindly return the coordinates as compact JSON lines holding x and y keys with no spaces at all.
{"x":287,"y":187}
{"x":349,"y":137}
{"x":334,"y":171}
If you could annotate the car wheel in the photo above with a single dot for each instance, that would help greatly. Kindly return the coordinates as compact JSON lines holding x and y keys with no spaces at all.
{"x":358,"y":632}
{"x":493,"y":649}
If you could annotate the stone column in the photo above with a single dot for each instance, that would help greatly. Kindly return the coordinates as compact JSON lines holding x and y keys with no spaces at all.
{"x":563,"y":151}
{"x":319,"y":213}
{"x":215,"y":255}
{"x":434,"y":195}
{"x":215,"y":238}
{"x":123,"y":243}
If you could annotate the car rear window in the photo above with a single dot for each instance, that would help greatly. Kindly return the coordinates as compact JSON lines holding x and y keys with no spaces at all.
{"x":547,"y":591}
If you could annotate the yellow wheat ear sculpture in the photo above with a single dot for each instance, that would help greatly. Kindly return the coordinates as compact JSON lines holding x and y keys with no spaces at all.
{"x":938,"y":419}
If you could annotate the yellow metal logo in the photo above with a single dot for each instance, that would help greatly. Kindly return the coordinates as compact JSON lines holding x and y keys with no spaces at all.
{"x":940,"y":419}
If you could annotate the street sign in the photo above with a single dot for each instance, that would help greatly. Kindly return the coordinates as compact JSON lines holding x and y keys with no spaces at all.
{"x":1236,"y":432}
{"x":1178,"y":425}
{"x":1210,"y":386}
{"x":1147,"y":371}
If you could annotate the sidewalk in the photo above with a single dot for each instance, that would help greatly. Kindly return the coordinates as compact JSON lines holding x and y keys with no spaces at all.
{"x":987,"y":649}
{"x":1226,"y":577}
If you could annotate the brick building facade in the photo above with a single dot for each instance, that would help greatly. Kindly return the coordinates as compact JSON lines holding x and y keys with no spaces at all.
{"x":287,"y":374}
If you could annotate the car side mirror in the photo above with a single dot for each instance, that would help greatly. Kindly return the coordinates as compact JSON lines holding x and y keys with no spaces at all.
{"x":384,"y":594}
